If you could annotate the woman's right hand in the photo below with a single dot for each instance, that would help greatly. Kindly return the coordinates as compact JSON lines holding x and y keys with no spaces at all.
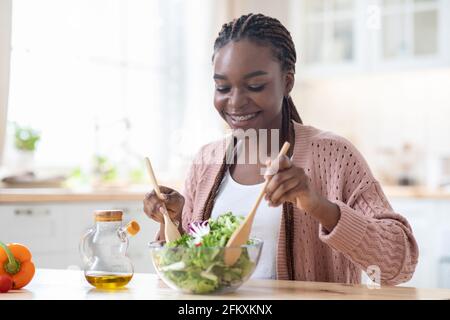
{"x":174,"y":202}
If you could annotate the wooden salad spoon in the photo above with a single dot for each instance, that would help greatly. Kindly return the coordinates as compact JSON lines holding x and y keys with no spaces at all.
{"x":241,"y":234}
{"x":171,"y":232}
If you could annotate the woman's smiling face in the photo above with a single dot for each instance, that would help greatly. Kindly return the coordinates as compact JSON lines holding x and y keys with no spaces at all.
{"x":250,"y":85}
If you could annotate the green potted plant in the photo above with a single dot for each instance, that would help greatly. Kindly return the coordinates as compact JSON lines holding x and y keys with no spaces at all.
{"x":25,"y":142}
{"x":105,"y":172}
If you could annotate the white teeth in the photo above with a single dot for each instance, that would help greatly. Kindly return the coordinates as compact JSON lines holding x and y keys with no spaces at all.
{"x":244,"y":118}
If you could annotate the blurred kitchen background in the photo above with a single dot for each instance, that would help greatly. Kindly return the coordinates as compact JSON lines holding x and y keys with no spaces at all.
{"x":88,"y":88}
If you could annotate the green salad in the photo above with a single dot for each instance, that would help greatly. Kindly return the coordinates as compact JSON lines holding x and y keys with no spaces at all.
{"x":195,"y":263}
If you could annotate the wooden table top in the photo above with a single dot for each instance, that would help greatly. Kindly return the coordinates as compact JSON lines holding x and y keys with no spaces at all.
{"x":71,"y":284}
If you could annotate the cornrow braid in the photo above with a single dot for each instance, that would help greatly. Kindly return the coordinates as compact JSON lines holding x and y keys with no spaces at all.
{"x":244,"y":25}
{"x":270,"y":32}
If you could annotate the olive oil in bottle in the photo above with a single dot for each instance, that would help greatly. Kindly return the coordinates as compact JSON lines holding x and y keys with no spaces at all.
{"x":103,"y":250}
{"x":109,"y":281}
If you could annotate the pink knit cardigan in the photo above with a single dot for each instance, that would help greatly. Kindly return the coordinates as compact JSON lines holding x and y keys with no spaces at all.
{"x":368,"y":233}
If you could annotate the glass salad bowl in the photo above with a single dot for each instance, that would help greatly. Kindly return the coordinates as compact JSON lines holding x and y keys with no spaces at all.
{"x":200,"y":269}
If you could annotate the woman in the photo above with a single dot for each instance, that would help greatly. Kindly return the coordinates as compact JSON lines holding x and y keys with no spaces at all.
{"x":325,"y":217}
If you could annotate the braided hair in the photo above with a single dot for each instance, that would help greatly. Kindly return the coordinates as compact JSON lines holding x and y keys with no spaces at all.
{"x":265,"y":31}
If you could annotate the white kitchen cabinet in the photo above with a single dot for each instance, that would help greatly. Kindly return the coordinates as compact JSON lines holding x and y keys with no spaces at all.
{"x":53,"y":231}
{"x":329,"y":32}
{"x":326,"y":36}
{"x":412,"y":33}
{"x":40,"y":227}
{"x":443,"y":244}
{"x":348,"y":36}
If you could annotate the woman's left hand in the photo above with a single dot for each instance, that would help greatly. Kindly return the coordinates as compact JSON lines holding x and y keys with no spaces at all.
{"x":289,"y":183}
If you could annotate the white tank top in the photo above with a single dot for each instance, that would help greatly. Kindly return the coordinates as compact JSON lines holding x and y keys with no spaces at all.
{"x":239,"y":199}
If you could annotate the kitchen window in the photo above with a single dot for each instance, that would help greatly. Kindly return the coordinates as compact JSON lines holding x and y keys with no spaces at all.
{"x":119,"y":79}
{"x":5,"y":40}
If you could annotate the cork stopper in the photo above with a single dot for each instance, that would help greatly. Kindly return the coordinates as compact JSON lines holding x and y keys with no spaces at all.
{"x":108,"y":215}
{"x":133,"y":227}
